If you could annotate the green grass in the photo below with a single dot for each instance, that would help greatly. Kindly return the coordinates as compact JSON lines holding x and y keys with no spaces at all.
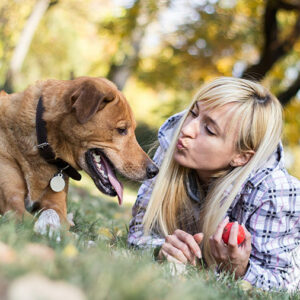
{"x":109,"y":269}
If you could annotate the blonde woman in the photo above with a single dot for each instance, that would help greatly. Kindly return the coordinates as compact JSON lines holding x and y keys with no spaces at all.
{"x":222,"y":160}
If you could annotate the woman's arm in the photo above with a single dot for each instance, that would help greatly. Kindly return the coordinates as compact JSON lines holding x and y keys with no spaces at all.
{"x":268,"y":256}
{"x":136,"y":235}
{"x":275,"y":229}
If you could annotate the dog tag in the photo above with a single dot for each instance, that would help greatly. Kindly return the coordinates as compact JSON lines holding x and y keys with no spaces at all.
{"x":57,"y":183}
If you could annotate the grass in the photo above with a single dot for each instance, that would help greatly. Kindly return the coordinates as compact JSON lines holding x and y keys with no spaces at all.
{"x":108,"y":269}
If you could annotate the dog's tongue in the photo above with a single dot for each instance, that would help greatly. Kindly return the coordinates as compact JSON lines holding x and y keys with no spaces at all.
{"x":114,"y":182}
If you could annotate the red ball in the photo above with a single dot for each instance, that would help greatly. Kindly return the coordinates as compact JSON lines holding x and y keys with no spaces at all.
{"x":226,"y":233}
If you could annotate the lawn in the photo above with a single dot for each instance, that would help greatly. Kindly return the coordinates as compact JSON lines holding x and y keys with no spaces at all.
{"x":37,"y":267}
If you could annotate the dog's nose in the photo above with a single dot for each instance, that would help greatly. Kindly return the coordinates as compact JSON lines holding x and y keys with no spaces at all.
{"x":151,"y":170}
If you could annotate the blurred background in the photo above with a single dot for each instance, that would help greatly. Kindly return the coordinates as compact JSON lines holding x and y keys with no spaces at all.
{"x":158,"y":52}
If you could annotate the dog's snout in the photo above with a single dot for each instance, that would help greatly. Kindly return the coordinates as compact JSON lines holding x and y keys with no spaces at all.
{"x":151,"y":170}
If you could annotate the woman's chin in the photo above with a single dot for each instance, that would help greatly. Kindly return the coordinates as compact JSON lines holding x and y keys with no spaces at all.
{"x":180,"y":158}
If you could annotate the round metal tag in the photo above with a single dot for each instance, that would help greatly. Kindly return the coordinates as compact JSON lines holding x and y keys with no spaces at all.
{"x":57,"y":183}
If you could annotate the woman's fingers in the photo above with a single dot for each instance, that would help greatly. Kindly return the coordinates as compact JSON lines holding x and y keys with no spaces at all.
{"x":198,"y":237}
{"x":216,"y":242}
{"x":170,"y":250}
{"x":190,"y":241}
{"x":218,"y":234}
{"x":170,"y":258}
{"x":232,"y":241}
{"x":218,"y":248}
{"x":177,"y":243}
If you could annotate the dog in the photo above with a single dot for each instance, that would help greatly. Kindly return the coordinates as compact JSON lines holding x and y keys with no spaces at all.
{"x":55,"y":128}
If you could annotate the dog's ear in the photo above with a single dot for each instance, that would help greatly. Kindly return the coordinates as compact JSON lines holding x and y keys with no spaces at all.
{"x":87,"y":100}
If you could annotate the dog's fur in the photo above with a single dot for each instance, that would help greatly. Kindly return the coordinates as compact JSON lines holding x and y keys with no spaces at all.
{"x":81,"y":114}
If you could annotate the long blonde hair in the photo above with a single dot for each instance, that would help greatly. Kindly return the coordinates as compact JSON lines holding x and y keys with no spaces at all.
{"x":259,"y":128}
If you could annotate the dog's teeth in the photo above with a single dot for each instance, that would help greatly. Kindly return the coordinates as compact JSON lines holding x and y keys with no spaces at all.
{"x":97,"y":158}
{"x":103,"y":173}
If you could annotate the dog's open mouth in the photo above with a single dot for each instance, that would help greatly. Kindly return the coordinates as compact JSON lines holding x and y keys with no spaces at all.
{"x":103,"y":174}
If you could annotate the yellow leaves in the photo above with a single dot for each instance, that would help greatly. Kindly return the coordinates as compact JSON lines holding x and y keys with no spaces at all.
{"x":248,"y":8}
{"x":167,"y":53}
{"x":107,"y":233}
{"x":297,"y":47}
{"x":224,"y":65}
{"x":294,"y":168}
{"x":70,"y":251}
{"x":292,"y":125}
{"x":148,"y":64}
{"x":118,"y":215}
{"x":213,"y":31}
{"x":245,"y":285}
{"x":291,"y":133}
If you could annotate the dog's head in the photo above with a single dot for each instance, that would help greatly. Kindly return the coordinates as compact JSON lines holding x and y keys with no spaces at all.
{"x":99,"y":128}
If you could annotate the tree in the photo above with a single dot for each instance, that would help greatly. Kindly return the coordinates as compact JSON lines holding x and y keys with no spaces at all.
{"x":129,"y":31}
{"x":220,"y":40}
{"x":275,"y":47}
{"x":24,"y":42}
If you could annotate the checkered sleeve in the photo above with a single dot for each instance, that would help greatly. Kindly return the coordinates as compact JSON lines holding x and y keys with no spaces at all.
{"x":275,"y":230}
{"x":136,"y":235}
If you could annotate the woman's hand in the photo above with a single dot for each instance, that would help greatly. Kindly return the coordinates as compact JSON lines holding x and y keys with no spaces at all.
{"x":231,"y":257}
{"x":181,"y":247}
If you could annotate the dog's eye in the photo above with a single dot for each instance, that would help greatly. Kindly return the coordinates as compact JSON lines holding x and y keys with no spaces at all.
{"x":122,"y":131}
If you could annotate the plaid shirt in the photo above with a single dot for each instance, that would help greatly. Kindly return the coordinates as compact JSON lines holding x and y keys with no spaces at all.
{"x":269,"y":206}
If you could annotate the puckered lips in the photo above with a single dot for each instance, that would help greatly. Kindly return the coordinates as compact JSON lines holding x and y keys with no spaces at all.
{"x":102,"y":172}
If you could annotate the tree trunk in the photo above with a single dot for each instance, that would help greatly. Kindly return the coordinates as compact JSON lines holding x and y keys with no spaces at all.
{"x":275,"y":48}
{"x":23,"y":45}
{"x":119,"y":74}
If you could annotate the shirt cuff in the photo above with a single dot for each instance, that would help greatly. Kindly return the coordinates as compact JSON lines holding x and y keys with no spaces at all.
{"x":250,"y":275}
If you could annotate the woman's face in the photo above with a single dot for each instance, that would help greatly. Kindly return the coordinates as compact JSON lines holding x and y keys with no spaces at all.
{"x":206,"y":143}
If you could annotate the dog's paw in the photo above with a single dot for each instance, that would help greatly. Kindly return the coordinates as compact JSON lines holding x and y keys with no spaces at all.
{"x":70,"y":217}
{"x":48,"y":222}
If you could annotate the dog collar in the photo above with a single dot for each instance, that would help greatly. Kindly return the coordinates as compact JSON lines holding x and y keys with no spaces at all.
{"x":46,"y":150}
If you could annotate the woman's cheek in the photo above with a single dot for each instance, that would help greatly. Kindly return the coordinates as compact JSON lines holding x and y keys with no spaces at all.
{"x":183,"y":159}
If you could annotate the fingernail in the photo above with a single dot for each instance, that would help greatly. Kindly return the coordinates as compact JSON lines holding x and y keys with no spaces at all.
{"x":198,"y":254}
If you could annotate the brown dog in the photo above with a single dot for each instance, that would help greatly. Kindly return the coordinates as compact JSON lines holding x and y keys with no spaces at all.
{"x":86,"y":123}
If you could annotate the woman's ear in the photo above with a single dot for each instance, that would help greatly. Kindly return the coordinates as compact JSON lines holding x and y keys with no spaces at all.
{"x":240,"y":159}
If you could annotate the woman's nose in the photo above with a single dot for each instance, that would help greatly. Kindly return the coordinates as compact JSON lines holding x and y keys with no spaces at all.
{"x":190,"y":128}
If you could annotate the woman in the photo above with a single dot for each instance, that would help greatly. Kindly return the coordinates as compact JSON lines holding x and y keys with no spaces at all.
{"x":223,"y":161}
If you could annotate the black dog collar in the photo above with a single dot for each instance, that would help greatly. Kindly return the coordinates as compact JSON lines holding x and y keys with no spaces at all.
{"x":44,"y":147}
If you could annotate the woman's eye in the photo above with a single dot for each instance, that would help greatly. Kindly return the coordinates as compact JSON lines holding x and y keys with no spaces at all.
{"x":193,"y":113}
{"x":209,"y":131}
{"x":122,"y":131}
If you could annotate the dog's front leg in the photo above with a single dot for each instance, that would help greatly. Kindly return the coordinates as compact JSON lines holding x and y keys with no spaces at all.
{"x":12,"y":189}
{"x":54,"y":212}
